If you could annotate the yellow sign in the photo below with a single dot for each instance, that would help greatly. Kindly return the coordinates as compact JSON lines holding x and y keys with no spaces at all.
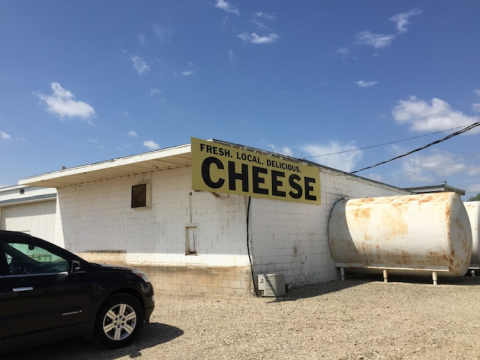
{"x":225,"y":169}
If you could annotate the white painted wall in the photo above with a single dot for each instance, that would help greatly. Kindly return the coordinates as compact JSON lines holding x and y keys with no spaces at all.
{"x":28,"y":209}
{"x":36,"y":219}
{"x":98,"y":216}
{"x":292,"y":238}
{"x":286,"y":237}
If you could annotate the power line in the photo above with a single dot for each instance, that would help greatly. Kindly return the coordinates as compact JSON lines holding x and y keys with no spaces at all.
{"x":469,"y":127}
{"x":389,"y":143}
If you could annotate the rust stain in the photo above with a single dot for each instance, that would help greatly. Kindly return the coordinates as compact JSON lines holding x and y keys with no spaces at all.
{"x":425,"y":200}
{"x":361,"y":214}
{"x":406,"y":258}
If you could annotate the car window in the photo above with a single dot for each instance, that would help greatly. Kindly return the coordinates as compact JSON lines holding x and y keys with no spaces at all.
{"x":25,"y":258}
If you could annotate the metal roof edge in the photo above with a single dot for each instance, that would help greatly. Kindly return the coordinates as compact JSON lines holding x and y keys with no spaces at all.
{"x":30,"y":199}
{"x":440,"y":187}
{"x":13,"y":187}
{"x":131,"y":159}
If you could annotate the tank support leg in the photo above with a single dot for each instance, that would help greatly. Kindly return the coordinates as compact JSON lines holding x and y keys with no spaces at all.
{"x":434,"y":277}
{"x":473,"y":273}
{"x":342,"y":273}
{"x":385,"y":276}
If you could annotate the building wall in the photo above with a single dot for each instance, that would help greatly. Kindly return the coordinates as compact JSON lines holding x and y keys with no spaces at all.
{"x":95,"y":220}
{"x":292,"y":238}
{"x":28,"y":209}
{"x":36,"y":219}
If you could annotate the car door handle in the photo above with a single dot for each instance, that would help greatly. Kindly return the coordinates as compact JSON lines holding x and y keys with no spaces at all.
{"x":22,"y":289}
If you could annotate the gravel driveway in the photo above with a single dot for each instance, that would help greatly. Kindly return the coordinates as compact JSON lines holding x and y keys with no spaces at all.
{"x":355,"y":319}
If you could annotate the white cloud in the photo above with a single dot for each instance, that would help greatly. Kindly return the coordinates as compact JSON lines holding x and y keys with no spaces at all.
{"x":162,"y":33}
{"x":476,"y":107}
{"x":474,"y":188}
{"x":152,"y":145}
{"x":125,"y":113}
{"x":260,"y":26}
{"x":4,"y":135}
{"x":230,"y":55}
{"x":376,"y":177}
{"x":286,"y":151}
{"x":346,"y":161}
{"x":154,"y":92}
{"x":378,"y":41}
{"x":266,"y":16}
{"x":132,"y":133}
{"x":343,"y":51}
{"x":364,"y":84}
{"x":61,"y":102}
{"x":435,"y":117}
{"x":255,"y":39}
{"x":93,"y":141}
{"x":224,"y":5}
{"x":413,"y":171}
{"x":187,"y":73}
{"x":140,"y":65}
{"x":141,"y":38}
{"x":440,"y":163}
{"x":224,"y":22}
{"x":402,"y":19}
{"x":477,"y":92}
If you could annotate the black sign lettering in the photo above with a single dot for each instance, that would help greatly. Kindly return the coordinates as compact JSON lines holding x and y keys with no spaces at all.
{"x":206,"y":172}
{"x":257,"y":180}
{"x":293,"y":181}
{"x":276,"y":183}
{"x":309,"y":188}
{"x":233,"y":176}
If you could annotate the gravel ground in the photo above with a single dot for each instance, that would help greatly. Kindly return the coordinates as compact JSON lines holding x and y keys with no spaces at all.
{"x":355,"y":319}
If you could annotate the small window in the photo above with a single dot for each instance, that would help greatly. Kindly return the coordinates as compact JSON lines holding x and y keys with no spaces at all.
{"x":141,"y":196}
{"x":191,"y":240}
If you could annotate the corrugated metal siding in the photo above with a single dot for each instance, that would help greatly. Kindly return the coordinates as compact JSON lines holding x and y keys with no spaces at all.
{"x":37,"y":219}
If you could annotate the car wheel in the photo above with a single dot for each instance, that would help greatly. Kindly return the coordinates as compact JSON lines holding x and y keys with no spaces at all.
{"x":119,"y":321}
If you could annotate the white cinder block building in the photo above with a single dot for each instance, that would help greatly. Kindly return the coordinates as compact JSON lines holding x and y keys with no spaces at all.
{"x":28,"y":209}
{"x":183,"y":215}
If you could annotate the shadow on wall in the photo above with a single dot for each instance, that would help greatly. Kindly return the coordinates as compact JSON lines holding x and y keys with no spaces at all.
{"x":152,"y":335}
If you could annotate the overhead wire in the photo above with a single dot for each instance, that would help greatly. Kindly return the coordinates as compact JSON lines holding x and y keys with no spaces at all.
{"x":468,"y":128}
{"x":388,"y":143}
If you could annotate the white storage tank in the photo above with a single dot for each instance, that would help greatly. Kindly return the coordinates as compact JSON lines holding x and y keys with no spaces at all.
{"x":473,"y":211}
{"x":409,"y":234}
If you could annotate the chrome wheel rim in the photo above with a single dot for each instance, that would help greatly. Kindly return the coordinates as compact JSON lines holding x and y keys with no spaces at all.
{"x":119,"y":322}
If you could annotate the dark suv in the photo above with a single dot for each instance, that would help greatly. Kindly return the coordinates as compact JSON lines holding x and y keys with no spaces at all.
{"x":47,"y":294}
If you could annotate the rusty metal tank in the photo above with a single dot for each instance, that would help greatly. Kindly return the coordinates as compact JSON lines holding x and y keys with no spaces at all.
{"x":409,"y":234}
{"x":473,"y":211}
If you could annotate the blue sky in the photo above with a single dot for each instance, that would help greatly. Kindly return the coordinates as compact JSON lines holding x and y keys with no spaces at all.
{"x":87,"y":81}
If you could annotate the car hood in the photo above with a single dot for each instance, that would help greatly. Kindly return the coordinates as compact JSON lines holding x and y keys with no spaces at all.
{"x":107,"y":267}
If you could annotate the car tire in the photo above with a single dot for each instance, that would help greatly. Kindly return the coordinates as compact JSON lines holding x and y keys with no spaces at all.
{"x":119,"y":321}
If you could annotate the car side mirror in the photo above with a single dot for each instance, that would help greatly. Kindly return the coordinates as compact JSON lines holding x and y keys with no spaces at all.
{"x":75,"y":267}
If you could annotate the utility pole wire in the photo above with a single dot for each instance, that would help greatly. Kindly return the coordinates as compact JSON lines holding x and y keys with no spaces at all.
{"x":389,"y":143}
{"x":470,"y":127}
